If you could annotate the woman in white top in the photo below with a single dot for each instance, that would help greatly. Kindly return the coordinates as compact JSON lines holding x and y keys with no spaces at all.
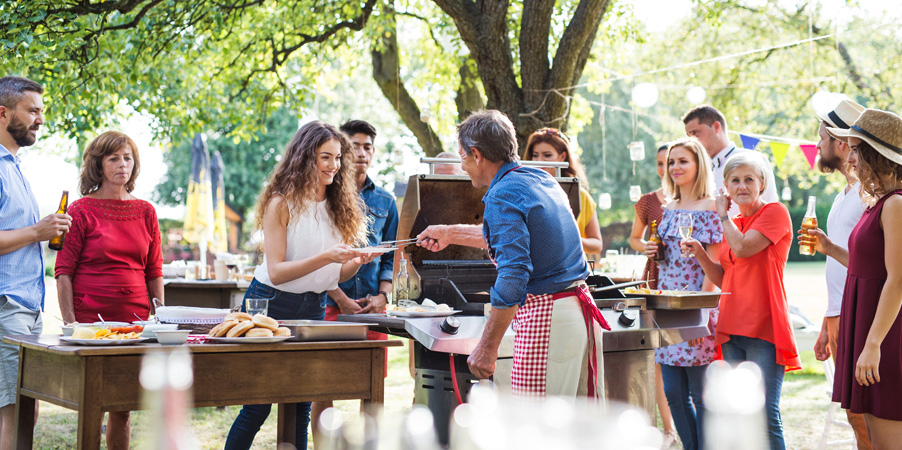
{"x":311,"y":217}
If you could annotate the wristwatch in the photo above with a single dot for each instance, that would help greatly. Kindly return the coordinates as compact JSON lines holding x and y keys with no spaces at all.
{"x":724,"y":218}
{"x":384,"y":293}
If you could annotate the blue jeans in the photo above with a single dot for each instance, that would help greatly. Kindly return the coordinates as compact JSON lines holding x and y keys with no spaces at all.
{"x":683,"y":389}
{"x":282,"y":306}
{"x":764,"y":354}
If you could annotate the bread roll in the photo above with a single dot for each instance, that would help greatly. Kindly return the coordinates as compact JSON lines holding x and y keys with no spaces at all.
{"x":265,"y":322}
{"x":223,"y":328}
{"x":238,"y":316}
{"x":258,"y":332}
{"x":282,"y":331}
{"x":239,"y":329}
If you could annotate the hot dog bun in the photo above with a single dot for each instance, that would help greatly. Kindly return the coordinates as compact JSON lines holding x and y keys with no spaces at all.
{"x":265,"y":322}
{"x":238,"y":316}
{"x":282,"y":331}
{"x":239,"y":329}
{"x":223,"y":328}
{"x":258,"y":332}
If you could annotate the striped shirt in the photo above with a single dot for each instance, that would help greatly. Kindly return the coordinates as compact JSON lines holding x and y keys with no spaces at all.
{"x":21,"y":271}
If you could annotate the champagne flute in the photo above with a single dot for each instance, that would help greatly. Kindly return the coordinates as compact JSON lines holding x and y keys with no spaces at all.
{"x":684,"y":221}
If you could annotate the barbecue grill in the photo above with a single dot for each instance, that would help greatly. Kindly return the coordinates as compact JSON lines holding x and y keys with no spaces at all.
{"x":462,"y":276}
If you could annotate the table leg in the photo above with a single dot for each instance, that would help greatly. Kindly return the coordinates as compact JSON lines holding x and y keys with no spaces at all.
{"x":286,"y":432}
{"x":90,"y":415}
{"x":24,"y":438}
{"x":373,"y":405}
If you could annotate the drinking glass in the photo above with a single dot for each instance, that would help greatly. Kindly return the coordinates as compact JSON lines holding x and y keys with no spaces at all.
{"x":684,"y":221}
{"x":256,"y":305}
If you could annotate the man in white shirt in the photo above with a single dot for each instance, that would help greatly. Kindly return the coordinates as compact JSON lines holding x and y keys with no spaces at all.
{"x":709,"y":126}
{"x":844,"y":215}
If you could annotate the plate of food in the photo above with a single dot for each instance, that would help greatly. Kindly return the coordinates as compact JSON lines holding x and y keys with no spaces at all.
{"x":242,"y":328}
{"x":376,"y":250}
{"x":103,"y":341}
{"x":249,"y":340}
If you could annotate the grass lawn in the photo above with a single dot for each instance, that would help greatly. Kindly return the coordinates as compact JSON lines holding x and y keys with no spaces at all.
{"x":804,"y":402}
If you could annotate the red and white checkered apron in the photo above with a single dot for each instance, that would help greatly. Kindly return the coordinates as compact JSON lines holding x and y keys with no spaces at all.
{"x":532,"y":325}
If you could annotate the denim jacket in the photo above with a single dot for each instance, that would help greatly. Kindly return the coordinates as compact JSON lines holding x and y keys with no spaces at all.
{"x":383,"y":215}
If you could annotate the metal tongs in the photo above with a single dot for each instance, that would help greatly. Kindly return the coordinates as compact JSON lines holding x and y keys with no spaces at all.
{"x":398,"y":243}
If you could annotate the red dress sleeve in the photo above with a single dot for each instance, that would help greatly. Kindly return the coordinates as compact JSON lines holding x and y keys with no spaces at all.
{"x":154,"y":268}
{"x":773,"y":222}
{"x":67,"y":258}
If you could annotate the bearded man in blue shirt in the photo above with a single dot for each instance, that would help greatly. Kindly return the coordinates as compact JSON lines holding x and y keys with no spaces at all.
{"x":531,"y":234}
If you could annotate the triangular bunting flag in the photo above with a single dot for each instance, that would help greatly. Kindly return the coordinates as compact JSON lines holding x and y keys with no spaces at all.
{"x":810,"y":152}
{"x":748,"y":141}
{"x":779,"y":149}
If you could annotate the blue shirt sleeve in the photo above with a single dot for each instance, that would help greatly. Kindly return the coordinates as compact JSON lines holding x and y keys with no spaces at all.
{"x":389,"y":232}
{"x":509,"y":240}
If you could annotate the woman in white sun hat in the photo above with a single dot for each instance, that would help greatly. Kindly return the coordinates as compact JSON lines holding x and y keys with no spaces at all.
{"x":868,"y":376}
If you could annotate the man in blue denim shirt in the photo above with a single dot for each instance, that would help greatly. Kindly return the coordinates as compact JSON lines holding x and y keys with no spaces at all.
{"x":21,"y":233}
{"x":366,"y":292}
{"x":531,"y":234}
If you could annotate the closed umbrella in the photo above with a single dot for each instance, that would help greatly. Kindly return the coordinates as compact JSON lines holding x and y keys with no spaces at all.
{"x":220,"y":242}
{"x":199,"y":204}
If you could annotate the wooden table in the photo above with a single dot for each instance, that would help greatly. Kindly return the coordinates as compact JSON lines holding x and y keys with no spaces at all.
{"x":203,"y":294}
{"x":93,"y":380}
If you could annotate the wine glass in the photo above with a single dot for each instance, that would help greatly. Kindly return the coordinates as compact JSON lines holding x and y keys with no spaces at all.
{"x":684,"y":221}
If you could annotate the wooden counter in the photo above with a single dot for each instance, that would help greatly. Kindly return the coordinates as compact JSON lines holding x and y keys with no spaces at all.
{"x":93,"y":380}
{"x":203,"y":294}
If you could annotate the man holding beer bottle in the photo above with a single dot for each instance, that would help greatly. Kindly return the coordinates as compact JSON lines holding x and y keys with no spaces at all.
{"x":21,"y":231}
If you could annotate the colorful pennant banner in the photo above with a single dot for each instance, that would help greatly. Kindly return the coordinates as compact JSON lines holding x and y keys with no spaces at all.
{"x":810,"y":152}
{"x":749,"y":142}
{"x":779,"y":149}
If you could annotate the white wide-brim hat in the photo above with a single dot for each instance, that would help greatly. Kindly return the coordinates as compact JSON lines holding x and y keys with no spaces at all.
{"x":843,"y":115}
{"x":881,"y":129}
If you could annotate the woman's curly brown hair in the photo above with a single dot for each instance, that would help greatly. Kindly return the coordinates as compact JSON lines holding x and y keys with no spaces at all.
{"x":560,"y":142}
{"x":295,"y":179}
{"x":878,"y":175}
{"x":91,"y":176}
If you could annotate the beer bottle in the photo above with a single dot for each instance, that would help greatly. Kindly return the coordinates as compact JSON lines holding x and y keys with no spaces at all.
{"x":807,"y":242}
{"x":57,"y":242}
{"x":653,"y":236}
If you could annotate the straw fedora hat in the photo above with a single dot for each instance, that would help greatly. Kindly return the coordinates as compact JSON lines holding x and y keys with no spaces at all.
{"x":843,"y":114}
{"x":881,"y":129}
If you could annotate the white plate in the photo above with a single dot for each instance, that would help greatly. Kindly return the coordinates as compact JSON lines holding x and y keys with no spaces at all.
{"x":102,"y":342}
{"x":423,"y":313}
{"x":249,"y":340}
{"x":376,"y":250}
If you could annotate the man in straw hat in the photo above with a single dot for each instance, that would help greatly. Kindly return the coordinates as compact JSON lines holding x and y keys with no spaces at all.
{"x":868,"y":376}
{"x":844,"y":215}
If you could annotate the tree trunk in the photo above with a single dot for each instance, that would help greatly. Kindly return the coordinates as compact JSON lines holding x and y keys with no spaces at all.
{"x":468,"y":98}
{"x":387,"y":73}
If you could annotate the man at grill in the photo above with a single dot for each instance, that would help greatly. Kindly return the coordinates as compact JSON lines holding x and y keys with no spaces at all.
{"x":532,"y":236}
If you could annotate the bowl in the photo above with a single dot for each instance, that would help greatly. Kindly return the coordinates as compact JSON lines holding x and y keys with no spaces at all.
{"x":109,"y":324}
{"x":151,"y":329}
{"x":172,"y":337}
{"x":67,"y":330}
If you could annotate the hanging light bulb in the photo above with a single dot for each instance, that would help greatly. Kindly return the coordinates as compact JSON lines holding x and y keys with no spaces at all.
{"x":645,"y":95}
{"x":696,"y":95}
{"x":604,"y":201}
{"x":635,"y":193}
{"x":425,"y":115}
{"x":637,"y":151}
{"x":397,"y":156}
{"x":786,"y":195}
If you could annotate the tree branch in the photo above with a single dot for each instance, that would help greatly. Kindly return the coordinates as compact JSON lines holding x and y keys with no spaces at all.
{"x":534,"y":29}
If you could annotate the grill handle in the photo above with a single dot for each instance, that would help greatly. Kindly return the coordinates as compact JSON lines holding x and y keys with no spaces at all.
{"x":448,"y":284}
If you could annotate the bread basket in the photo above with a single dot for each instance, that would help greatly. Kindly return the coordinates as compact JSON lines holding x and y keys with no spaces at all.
{"x":200,"y":320}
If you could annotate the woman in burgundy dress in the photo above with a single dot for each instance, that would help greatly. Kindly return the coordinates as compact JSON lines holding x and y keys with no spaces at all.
{"x":111,"y":262}
{"x":869,"y":352}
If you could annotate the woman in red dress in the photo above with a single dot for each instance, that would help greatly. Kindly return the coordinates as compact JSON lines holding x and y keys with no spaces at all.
{"x":111,"y":263}
{"x":869,"y":351}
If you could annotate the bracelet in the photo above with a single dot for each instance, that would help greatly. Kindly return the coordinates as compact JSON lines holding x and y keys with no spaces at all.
{"x":383,"y":293}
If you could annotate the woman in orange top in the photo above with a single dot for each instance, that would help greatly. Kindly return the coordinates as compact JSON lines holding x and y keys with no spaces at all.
{"x":754,"y":322}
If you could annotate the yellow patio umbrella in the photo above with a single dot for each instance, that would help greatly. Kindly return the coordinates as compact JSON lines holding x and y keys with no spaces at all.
{"x":220,"y":242}
{"x":199,"y":204}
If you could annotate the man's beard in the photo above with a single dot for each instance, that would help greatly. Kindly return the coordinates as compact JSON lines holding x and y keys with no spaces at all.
{"x":20,"y":132}
{"x":830,"y":164}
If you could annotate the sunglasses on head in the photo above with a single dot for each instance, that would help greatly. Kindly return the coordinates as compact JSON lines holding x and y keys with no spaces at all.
{"x":553,"y":132}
